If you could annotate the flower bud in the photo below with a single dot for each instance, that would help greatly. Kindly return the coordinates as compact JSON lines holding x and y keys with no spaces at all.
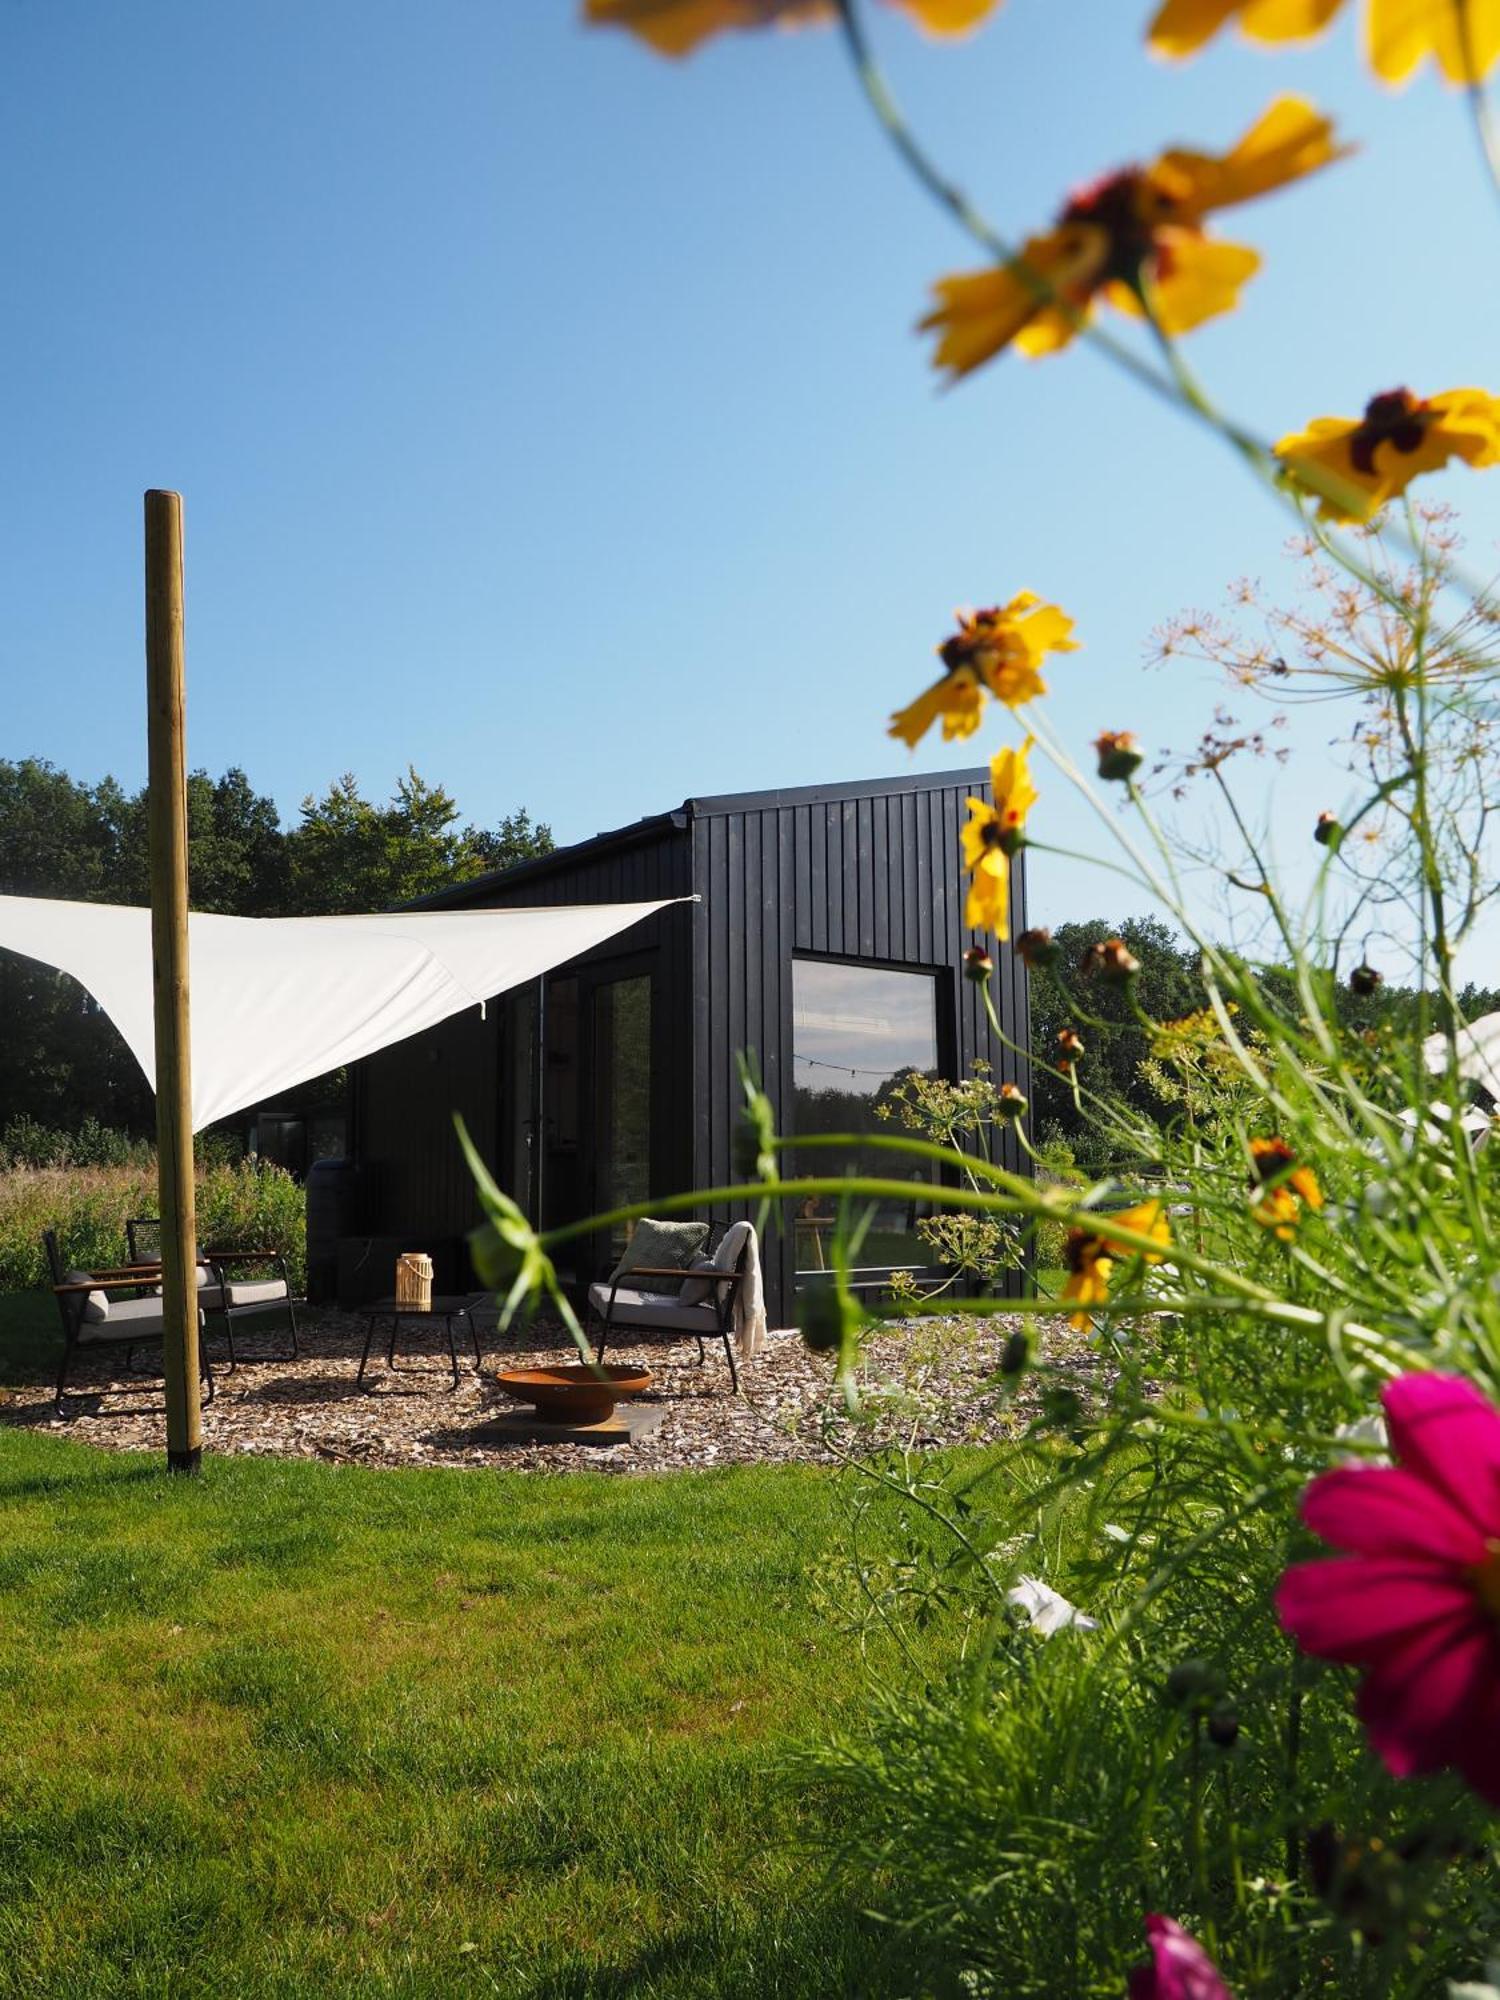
{"x":1120,"y":755}
{"x":1109,"y":959}
{"x":1069,"y":1047}
{"x":1223,"y":1725}
{"x":978,"y":965}
{"x":1328,"y":832}
{"x":1011,"y":1103}
{"x":1017,"y":1355}
{"x":1365,"y":980}
{"x":1192,"y":1681}
{"x":1036,"y":949}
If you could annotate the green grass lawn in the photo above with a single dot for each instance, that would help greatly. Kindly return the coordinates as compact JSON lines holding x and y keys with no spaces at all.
{"x":303,"y":1729}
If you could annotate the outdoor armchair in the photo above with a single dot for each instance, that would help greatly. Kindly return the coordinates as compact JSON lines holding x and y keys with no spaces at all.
{"x":228,"y":1288}
{"x":106,"y":1310}
{"x":625,"y":1301}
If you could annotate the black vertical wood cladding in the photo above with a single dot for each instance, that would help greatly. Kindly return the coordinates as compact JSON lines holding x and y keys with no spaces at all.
{"x":861,"y":872}
{"x":849,"y":871}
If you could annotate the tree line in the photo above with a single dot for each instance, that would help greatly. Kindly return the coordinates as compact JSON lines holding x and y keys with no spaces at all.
{"x":61,"y":1061}
{"x":1167,"y":988}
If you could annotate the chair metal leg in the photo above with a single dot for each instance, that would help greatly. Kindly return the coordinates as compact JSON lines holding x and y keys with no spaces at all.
{"x":365,"y":1354}
{"x":452,"y":1350}
{"x":726,"y":1332}
{"x":291,"y":1313}
{"x":205,"y":1371}
{"x":62,"y":1376}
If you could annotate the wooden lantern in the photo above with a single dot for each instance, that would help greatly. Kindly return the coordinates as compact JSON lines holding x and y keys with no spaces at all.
{"x":414,"y":1278}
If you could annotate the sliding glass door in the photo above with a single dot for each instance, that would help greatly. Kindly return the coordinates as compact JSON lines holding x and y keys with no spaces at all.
{"x":622,"y":1095}
{"x":577,"y":1082}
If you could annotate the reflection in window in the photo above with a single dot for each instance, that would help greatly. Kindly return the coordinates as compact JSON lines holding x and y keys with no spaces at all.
{"x":857,"y":1032}
{"x":622,"y":1073}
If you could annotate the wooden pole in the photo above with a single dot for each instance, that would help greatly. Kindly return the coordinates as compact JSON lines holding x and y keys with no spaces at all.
{"x":167,"y":816}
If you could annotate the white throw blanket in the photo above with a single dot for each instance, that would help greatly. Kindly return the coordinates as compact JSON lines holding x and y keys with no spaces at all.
{"x":749,"y":1298}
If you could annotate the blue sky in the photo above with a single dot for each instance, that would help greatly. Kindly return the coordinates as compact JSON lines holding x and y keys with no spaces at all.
{"x":549,"y":415}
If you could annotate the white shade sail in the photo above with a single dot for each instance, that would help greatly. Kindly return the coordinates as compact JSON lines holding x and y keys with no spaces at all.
{"x":1478,"y":1052}
{"x":276,"y":1000}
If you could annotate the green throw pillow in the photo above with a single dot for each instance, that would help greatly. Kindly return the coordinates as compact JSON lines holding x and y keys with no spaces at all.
{"x":661,"y":1244}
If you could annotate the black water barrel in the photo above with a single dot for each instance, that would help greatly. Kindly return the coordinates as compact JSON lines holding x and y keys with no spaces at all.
{"x":333,"y":1188}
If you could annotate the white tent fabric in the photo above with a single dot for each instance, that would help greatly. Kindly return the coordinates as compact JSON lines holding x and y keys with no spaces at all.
{"x":1478,"y":1052}
{"x":276,"y":1000}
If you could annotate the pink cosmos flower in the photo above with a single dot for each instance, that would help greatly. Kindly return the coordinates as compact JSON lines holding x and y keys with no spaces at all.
{"x":1180,"y":1968}
{"x":1416,"y":1599}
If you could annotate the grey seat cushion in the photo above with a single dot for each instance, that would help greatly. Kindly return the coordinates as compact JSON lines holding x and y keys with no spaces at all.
{"x":129,"y":1319}
{"x":662,"y":1243}
{"x":730,"y":1250}
{"x":208,"y":1287}
{"x":262,"y":1292}
{"x":659,"y":1309}
{"x":96,"y":1304}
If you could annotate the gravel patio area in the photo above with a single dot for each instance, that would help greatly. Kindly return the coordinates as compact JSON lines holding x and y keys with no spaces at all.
{"x":925,"y":1385}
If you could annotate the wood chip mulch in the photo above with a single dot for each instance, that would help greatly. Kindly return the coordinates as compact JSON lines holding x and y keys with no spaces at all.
{"x":925,"y":1383}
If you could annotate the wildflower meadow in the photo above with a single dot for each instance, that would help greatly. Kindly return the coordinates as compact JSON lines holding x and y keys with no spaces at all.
{"x":1227,"y":1718}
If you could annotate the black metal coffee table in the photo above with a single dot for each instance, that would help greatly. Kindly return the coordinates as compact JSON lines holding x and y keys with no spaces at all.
{"x":399,"y":1310}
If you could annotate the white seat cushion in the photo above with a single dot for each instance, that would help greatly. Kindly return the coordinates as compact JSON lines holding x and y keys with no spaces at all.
{"x":633,"y":1308}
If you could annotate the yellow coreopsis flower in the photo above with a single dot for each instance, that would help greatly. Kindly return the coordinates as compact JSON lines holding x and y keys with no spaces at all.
{"x":991,"y":837}
{"x":1088,"y":1255}
{"x":676,"y":27}
{"x":1462,"y":36}
{"x":1142,"y":226}
{"x":998,"y":652}
{"x":1088,"y":1265}
{"x":1147,"y":1218}
{"x":1280,"y":1187}
{"x":1181,"y":27}
{"x":1374,"y":457}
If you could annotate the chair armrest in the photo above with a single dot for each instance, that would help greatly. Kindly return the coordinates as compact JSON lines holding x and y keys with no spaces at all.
{"x":143,"y":1273}
{"x":99,"y":1285}
{"x":241,"y":1256}
{"x":661,"y":1271}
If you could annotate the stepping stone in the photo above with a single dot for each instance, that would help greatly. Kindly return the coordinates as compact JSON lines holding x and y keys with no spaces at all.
{"x":628,"y":1423}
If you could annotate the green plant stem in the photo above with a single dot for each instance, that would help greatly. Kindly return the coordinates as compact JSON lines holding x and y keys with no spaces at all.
{"x":1025,"y":1201}
{"x":1263,"y":463}
{"x":918,"y":161}
{"x":1480,"y":111}
{"x":1293,"y":1758}
{"x":1195,"y":1797}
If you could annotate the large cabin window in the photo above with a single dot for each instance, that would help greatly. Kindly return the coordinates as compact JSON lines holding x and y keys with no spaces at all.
{"x":857,"y":1031}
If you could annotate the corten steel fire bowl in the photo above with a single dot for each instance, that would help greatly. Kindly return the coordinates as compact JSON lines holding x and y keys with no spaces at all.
{"x":573,"y":1393}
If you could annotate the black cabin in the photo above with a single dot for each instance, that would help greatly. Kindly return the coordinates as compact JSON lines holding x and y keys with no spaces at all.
{"x":827,"y":936}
